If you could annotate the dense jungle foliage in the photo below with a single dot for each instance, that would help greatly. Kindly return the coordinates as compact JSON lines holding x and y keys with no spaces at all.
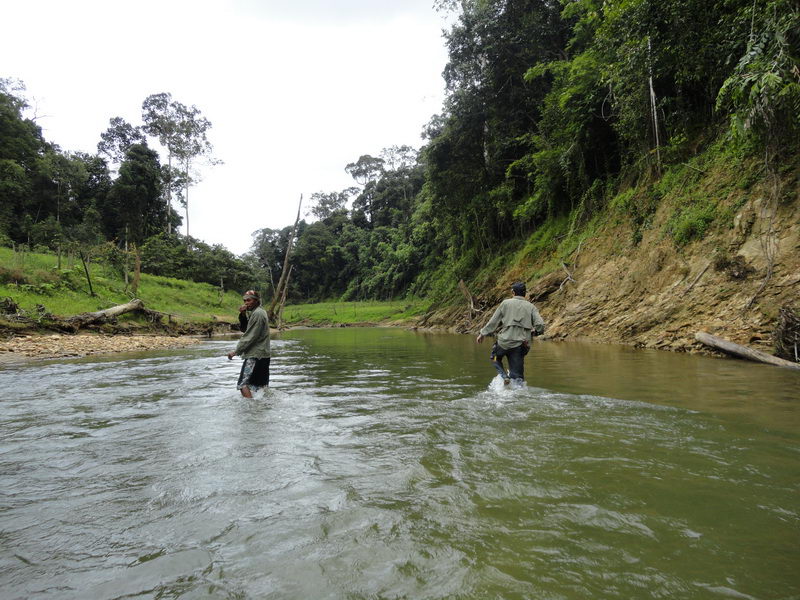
{"x":553,"y":109}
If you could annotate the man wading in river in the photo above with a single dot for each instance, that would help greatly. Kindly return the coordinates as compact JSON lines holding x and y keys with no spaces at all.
{"x":516,"y":321}
{"x":253,"y":346}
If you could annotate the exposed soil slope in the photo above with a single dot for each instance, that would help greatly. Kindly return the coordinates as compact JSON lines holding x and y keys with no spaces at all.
{"x":656,"y":294}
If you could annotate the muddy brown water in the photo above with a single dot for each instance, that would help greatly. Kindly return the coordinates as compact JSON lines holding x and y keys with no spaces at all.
{"x":384,"y":463}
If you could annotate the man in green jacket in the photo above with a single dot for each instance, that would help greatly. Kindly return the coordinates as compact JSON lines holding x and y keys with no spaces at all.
{"x":516,"y":320}
{"x":253,"y":347}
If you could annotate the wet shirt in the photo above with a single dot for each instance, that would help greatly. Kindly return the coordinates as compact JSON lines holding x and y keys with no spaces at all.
{"x":516,"y":318}
{"x":255,"y":341}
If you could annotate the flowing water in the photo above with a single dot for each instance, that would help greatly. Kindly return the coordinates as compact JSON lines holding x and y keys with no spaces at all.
{"x":383,"y":463}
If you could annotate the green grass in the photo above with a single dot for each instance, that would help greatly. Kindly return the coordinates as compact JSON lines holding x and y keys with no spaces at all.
{"x":32,"y":279}
{"x":336,"y":313}
{"x":689,"y":223}
{"x":545,"y":238}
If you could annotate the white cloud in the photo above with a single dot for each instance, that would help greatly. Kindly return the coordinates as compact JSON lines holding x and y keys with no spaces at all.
{"x":295,"y":90}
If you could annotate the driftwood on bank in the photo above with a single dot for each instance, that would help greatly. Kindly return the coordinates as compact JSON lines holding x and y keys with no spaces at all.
{"x":15,"y":321}
{"x":104,"y":316}
{"x":742,"y":351}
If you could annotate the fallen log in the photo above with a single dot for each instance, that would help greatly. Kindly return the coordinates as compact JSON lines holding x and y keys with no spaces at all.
{"x":103,"y":316}
{"x":743,"y":351}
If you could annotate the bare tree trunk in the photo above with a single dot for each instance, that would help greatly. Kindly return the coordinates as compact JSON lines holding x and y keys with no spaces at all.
{"x":137,"y":270}
{"x":283,"y":298}
{"x":271,"y":280}
{"x":169,"y":189}
{"x":471,"y":300}
{"x":282,"y":282}
{"x":127,"y":256}
{"x":186,"y":198}
{"x":88,"y":277}
{"x":102,"y":316}
{"x":653,"y":108}
{"x":742,"y":351}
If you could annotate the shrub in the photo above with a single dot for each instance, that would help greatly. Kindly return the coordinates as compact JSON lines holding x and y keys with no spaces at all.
{"x":690,"y":223}
{"x":12,"y":275}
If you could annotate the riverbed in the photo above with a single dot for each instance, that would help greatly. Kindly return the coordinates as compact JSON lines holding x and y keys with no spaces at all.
{"x":55,"y":345}
{"x":383,"y":463}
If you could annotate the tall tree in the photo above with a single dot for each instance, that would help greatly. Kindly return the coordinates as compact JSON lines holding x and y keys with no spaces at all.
{"x":182,"y":130}
{"x":115,"y":141}
{"x":365,"y":171}
{"x":399,"y":157}
{"x":192,"y":144}
{"x":490,"y":112}
{"x":136,"y":195}
{"x":265,"y":255}
{"x":21,"y":148}
{"x":323,"y":205}
{"x":367,"y":168}
{"x":161,"y":120}
{"x":763,"y":91}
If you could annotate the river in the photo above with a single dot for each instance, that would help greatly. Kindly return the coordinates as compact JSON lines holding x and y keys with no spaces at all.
{"x":384,"y":463}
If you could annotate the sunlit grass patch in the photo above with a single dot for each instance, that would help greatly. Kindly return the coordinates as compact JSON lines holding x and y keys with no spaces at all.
{"x":32,"y":279}
{"x":335,"y":313}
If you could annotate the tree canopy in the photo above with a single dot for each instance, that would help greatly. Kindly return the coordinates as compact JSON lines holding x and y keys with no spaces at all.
{"x":552,"y":107}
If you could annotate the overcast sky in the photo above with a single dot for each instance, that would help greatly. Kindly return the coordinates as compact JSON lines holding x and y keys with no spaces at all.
{"x":295,"y":90}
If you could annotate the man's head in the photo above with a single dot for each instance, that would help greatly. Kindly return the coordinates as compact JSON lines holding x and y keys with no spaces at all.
{"x":251,"y":299}
{"x":518,"y":288}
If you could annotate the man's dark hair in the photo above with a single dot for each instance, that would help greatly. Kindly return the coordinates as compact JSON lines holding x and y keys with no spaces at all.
{"x":518,"y":288}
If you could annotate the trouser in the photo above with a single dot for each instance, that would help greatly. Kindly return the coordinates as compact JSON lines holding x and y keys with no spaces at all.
{"x":516,"y":360}
{"x":254,"y":373}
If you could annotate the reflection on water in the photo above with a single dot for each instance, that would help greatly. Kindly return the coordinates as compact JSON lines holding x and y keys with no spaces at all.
{"x":387,"y":464}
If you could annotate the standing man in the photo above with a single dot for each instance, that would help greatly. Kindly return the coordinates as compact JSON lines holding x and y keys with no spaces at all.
{"x":253,"y":346}
{"x":516,"y":320}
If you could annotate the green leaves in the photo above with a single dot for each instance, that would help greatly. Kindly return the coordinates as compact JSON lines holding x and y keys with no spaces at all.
{"x":762,"y":94}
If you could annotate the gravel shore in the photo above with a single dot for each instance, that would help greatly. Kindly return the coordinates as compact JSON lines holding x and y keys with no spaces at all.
{"x":66,"y":346}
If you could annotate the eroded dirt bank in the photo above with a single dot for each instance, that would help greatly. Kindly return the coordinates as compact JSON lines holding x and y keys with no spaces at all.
{"x":655,"y":294}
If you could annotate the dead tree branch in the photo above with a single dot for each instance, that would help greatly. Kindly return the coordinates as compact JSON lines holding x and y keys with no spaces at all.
{"x":103,"y":316}
{"x":282,"y":282}
{"x":567,"y":278}
{"x":696,"y":279}
{"x":742,"y":351}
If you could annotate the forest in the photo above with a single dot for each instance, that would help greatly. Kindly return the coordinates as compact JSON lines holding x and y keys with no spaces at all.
{"x":554,"y":110}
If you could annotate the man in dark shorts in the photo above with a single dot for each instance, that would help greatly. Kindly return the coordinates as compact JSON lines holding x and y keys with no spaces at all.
{"x":253,"y":346}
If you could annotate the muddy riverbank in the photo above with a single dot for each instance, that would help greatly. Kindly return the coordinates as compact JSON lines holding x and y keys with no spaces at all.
{"x":654,"y":294}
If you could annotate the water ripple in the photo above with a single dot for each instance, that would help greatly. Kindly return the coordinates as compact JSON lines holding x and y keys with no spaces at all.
{"x":381,"y":465}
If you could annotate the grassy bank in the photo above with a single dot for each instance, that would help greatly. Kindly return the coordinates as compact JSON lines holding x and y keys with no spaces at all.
{"x":32,"y":279}
{"x":349,"y":313}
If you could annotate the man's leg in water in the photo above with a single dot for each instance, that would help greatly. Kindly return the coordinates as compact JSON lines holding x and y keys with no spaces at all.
{"x":516,"y":363}
{"x":497,"y":361}
{"x":244,"y":377}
